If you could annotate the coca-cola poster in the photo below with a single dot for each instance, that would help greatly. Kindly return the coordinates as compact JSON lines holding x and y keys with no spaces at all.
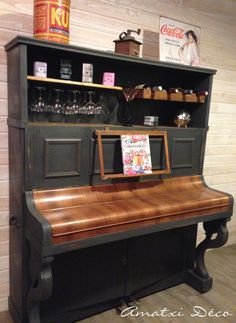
{"x":179,"y":42}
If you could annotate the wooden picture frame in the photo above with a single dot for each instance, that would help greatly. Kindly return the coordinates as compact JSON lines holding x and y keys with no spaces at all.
{"x":153,"y":133}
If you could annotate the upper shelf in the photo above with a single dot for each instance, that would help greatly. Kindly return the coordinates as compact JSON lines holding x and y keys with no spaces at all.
{"x":103,"y":54}
{"x":68,"y":82}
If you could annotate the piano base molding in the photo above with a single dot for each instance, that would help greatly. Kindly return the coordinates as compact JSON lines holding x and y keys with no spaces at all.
{"x":199,"y":277}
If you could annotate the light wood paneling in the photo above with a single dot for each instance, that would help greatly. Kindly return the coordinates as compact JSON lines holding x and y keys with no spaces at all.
{"x":4,"y":235}
{"x":4,"y":290}
{"x":219,"y":169}
{"x":4,"y":188}
{"x":95,"y":24}
{"x":3,"y":124}
{"x":221,"y":150}
{"x":3,"y":89}
{"x":4,"y":248}
{"x":4,"y":263}
{"x":3,"y":140}
{"x":4,"y":277}
{"x":4,"y":219}
{"x":3,"y":307}
{"x":4,"y":202}
{"x":3,"y":157}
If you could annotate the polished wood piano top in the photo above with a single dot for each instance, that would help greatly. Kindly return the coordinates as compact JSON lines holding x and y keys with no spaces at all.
{"x":88,"y":211}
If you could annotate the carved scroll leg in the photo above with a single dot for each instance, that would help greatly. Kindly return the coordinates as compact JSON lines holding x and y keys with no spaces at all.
{"x":41,"y":284}
{"x":199,"y":278}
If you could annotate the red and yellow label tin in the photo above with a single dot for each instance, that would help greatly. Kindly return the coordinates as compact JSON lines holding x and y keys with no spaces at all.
{"x":51,"y":20}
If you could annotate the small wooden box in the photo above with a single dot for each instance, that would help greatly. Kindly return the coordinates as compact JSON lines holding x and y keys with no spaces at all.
{"x":176,"y":96}
{"x":190,"y":97}
{"x":144,"y":93}
{"x":160,"y":95}
{"x":127,"y":47}
{"x":201,"y":98}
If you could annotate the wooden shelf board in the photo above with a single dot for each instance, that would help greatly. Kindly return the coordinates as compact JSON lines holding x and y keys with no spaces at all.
{"x":121,"y":175}
{"x":170,"y":100}
{"x":68,"y":82}
{"x":105,"y":125}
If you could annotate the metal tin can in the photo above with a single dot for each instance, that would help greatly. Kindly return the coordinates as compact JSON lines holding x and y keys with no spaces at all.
{"x":51,"y":20}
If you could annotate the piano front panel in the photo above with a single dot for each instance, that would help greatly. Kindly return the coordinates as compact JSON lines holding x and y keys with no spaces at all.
{"x":62,"y":156}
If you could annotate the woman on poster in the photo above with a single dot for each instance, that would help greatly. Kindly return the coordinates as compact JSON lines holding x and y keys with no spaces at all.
{"x":189,"y":53}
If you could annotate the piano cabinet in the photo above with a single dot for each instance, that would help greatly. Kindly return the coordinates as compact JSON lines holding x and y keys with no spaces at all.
{"x":80,"y":245}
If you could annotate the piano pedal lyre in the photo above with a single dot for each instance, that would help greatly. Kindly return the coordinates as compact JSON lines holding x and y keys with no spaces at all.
{"x":121,"y":307}
{"x":129,"y":302}
{"x":132,"y":302}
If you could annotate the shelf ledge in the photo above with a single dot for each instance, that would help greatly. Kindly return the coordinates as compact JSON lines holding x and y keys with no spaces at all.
{"x":68,"y":82}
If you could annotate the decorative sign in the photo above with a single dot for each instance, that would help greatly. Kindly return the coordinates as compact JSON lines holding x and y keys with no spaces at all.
{"x":179,"y":42}
{"x":136,"y":154}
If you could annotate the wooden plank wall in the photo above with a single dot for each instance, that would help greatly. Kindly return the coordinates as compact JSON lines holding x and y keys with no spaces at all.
{"x":95,"y":24}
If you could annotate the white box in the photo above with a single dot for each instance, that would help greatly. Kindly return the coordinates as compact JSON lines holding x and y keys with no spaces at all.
{"x":40,"y":69}
{"x":87,"y":74}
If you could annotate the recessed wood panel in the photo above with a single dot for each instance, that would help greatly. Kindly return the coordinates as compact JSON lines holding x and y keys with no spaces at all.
{"x":157,"y":152}
{"x":112,"y":156}
{"x":182,"y":152}
{"x":62,"y":157}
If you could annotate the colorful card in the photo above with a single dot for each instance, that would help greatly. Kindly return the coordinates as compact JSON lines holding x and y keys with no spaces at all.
{"x":136,"y":154}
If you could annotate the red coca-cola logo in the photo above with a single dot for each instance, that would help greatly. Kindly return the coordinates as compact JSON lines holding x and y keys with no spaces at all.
{"x":173,"y":32}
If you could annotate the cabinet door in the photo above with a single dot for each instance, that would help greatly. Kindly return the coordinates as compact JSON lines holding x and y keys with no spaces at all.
{"x":59,"y":156}
{"x":158,"y":261}
{"x":84,"y":278}
{"x":185,"y":151}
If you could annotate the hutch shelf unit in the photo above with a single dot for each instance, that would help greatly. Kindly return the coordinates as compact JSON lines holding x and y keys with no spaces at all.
{"x":59,"y":273}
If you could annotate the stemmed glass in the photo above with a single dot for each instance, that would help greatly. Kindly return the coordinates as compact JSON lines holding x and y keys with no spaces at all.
{"x":66,"y":107}
{"x":89,"y":107}
{"x":76,"y":102}
{"x":71,"y":107}
{"x":56,"y":107}
{"x":33,"y":103}
{"x":99,"y":106}
{"x":99,"y":110}
{"x":129,"y":94}
{"x":38,"y":104}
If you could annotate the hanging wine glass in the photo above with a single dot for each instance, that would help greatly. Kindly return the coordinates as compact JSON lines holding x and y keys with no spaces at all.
{"x":99,"y":109}
{"x":66,"y":107}
{"x":89,"y":107}
{"x":33,"y":104}
{"x":71,"y":106}
{"x":56,"y":107}
{"x":83,"y":95}
{"x":99,"y":106}
{"x":86,"y":109}
{"x":76,"y":104}
{"x":39,"y":104}
{"x":49,"y":101}
{"x":129,"y":94}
